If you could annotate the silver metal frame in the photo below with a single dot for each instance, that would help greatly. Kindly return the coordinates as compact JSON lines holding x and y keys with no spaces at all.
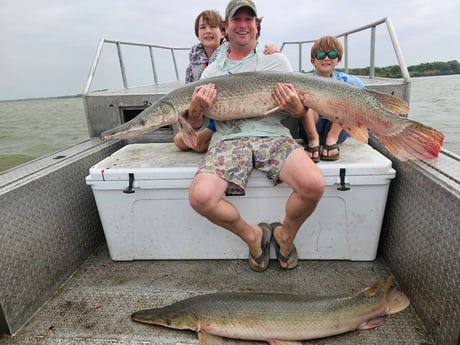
{"x":372,"y":27}
{"x":119,"y":45}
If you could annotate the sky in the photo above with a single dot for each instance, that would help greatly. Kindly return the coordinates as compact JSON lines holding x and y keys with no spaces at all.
{"x":48,"y":46}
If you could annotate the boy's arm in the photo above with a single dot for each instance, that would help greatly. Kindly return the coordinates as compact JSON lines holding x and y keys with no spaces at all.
{"x":202,"y":99}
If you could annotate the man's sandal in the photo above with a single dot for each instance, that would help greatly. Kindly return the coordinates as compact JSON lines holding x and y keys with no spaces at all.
{"x":264,"y":259}
{"x":292,"y":259}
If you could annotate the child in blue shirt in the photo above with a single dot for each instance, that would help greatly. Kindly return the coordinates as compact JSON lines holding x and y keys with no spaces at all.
{"x":326,"y":53}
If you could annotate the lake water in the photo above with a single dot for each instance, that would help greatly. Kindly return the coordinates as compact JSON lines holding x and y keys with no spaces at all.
{"x":435,"y":101}
{"x":33,"y":128}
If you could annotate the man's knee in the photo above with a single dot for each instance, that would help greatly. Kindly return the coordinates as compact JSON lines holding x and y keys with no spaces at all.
{"x":197,"y":200}
{"x":203,"y":194}
{"x":313,"y":188}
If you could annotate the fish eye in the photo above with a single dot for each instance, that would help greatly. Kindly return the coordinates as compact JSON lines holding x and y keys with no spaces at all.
{"x":168,"y":322}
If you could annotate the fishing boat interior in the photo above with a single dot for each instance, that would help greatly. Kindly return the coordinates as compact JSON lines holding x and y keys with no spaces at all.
{"x":101,"y":229}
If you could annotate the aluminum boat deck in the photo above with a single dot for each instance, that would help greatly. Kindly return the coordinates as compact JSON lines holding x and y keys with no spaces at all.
{"x":94,"y":306}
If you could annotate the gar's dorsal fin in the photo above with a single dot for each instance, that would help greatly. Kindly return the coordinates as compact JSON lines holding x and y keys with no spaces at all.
{"x":393,"y":104}
{"x":373,"y":289}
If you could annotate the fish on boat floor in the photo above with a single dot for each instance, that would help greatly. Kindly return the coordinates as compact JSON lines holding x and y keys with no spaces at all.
{"x":95,"y":305}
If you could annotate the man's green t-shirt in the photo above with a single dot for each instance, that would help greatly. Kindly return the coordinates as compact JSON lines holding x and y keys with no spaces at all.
{"x":268,"y":126}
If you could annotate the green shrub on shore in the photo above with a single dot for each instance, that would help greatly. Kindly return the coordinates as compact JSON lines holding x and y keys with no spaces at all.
{"x":422,"y":70}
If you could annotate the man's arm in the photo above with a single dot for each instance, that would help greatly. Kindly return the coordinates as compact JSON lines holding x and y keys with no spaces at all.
{"x":288,"y":99}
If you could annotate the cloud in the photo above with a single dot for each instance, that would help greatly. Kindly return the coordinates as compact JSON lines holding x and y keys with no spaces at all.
{"x":50,"y":44}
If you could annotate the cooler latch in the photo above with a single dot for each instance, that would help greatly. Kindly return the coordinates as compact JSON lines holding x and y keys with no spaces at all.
{"x":343,"y":186}
{"x":130,"y":188}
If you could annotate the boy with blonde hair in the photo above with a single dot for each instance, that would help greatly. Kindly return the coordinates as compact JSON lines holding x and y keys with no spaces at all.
{"x":326,"y":54}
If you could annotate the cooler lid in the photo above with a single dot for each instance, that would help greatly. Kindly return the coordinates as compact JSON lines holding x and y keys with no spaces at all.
{"x":156,"y":161}
{"x":359,"y":160}
{"x":147,"y":162}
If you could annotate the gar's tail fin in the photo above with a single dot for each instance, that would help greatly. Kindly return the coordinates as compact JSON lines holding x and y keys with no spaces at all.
{"x":414,"y":141}
{"x":395,"y":298}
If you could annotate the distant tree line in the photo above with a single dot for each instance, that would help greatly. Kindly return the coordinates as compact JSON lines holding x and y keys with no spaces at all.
{"x":422,"y":70}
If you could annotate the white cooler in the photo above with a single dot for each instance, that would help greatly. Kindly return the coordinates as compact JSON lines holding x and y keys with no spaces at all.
{"x":141,"y":193}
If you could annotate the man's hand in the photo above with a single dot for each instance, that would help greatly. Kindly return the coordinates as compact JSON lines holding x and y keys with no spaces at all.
{"x":202,"y":99}
{"x":288,"y":100}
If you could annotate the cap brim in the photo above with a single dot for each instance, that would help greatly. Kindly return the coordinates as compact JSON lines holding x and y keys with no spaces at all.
{"x":233,"y":12}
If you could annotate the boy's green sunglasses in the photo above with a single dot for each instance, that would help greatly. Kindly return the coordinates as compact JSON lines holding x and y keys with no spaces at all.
{"x":322,"y":55}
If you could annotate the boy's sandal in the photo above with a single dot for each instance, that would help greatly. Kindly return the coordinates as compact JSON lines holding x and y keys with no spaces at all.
{"x":313,"y":150}
{"x":328,"y":149}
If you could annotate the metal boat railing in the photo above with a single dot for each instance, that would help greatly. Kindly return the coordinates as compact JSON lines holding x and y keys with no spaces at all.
{"x":121,"y":61}
{"x":372,"y":27}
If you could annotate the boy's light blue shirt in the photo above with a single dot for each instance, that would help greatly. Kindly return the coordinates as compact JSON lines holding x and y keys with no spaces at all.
{"x":346,"y":78}
{"x":267,"y":126}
